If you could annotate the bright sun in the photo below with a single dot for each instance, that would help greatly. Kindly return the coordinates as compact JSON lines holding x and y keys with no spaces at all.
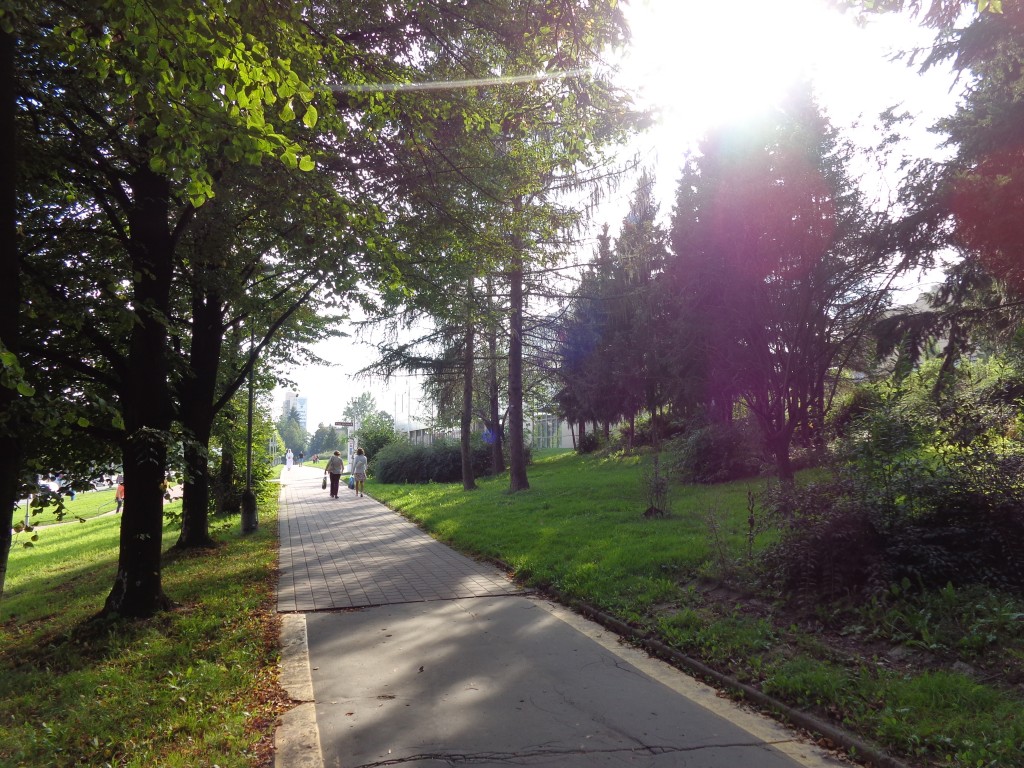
{"x":703,"y":63}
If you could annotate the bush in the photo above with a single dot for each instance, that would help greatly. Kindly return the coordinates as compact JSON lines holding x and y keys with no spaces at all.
{"x":440,"y":462}
{"x":588,"y":443}
{"x":913,"y":502}
{"x":849,"y":408}
{"x":400,"y":463}
{"x":714,"y":453}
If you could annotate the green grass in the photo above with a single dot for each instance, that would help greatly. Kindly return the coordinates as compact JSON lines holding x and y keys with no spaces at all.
{"x":193,"y":686}
{"x":580,"y":530}
{"x":87,"y":504}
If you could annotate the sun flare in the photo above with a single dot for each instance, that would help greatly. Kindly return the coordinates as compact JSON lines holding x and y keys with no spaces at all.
{"x":702,"y":63}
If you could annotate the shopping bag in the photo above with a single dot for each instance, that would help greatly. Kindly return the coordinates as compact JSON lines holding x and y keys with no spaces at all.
{"x":351,"y":481}
{"x":324,"y":483}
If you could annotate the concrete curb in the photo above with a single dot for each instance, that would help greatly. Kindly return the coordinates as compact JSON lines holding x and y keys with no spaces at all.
{"x":297,"y":739}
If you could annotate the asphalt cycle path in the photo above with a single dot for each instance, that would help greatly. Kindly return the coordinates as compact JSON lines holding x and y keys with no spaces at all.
{"x":407,"y":653}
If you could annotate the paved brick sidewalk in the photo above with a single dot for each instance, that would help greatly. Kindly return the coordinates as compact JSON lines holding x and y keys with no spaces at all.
{"x":354,"y":552}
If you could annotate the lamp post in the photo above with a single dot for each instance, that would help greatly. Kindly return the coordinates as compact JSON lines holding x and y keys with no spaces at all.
{"x":250,"y":520}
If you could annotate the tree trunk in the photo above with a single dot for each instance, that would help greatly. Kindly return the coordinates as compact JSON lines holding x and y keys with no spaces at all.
{"x":138,"y":588}
{"x":517,"y":448}
{"x":468,"y":360}
{"x":197,"y":398}
{"x":497,"y":444}
{"x":195,"y":502}
{"x":228,"y":498}
{"x":778,"y":445}
{"x":146,"y":401}
{"x":10,"y":300}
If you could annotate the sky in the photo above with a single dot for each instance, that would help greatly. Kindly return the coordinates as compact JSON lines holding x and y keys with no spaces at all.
{"x":702,"y":63}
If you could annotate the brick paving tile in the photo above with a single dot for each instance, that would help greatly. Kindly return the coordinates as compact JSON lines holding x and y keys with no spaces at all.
{"x":353,"y":552}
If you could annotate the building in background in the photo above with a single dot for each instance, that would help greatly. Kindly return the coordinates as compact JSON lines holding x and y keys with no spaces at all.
{"x":292,"y":400}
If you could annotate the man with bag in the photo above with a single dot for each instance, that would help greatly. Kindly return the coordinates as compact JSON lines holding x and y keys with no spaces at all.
{"x":335,"y":466}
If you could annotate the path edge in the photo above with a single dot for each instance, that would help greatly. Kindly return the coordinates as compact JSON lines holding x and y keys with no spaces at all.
{"x":297,"y":738}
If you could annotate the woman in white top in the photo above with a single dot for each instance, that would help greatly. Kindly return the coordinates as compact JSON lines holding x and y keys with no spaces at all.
{"x":359,"y":470}
{"x":288,"y":459}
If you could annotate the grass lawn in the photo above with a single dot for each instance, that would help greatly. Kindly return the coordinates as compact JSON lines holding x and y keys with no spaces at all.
{"x":580,"y":530}
{"x":87,"y":505}
{"x":195,"y":686}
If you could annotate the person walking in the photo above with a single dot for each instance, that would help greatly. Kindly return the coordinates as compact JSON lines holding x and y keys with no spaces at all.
{"x":119,"y":496}
{"x":288,"y":458}
{"x":359,"y":470}
{"x":335,"y":466}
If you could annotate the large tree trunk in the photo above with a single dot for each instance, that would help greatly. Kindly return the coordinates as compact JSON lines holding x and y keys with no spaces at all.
{"x":197,"y":418}
{"x":517,"y":448}
{"x":10,"y":300}
{"x":466,"y":431}
{"x":195,"y":501}
{"x":138,"y":587}
{"x":497,"y":433}
{"x":146,"y":401}
{"x":227,"y":495}
{"x":778,"y":445}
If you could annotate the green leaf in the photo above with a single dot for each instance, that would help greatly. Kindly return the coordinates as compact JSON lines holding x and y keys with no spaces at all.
{"x":309,"y":119}
{"x":26,"y":390}
{"x":306,"y":163}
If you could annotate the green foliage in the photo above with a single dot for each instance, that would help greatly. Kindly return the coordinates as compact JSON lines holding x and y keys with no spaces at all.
{"x":931,"y":492}
{"x":439,"y":462}
{"x":291,"y":431}
{"x":360,"y":408}
{"x":771,"y":290}
{"x":325,"y":440}
{"x":376,"y":431}
{"x":588,"y":443}
{"x":655,"y":482}
{"x":967,"y":623}
{"x":713,"y":452}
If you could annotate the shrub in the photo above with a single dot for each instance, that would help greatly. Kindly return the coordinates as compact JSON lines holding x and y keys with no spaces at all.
{"x":913,"y":502}
{"x":400,"y":463}
{"x":710,"y":452}
{"x":439,"y":462}
{"x":849,"y":408}
{"x":588,"y":443}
